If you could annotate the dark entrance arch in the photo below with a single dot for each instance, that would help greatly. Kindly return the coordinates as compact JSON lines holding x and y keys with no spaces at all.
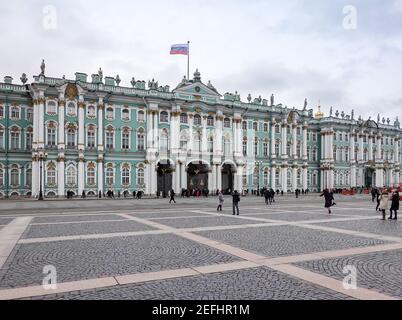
{"x":228,"y":172}
{"x":368,"y":178}
{"x":197,"y":176}
{"x":165,"y":178}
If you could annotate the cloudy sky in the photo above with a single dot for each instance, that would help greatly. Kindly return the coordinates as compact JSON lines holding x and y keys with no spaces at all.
{"x":294,"y":48}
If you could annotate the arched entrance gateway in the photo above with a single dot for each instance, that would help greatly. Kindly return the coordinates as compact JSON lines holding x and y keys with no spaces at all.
{"x":197,"y":176}
{"x":228,"y":173}
{"x":165,"y":177}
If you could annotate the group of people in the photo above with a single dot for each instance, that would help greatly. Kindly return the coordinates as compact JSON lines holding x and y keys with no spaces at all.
{"x":194,"y":193}
{"x":235,"y":201}
{"x":384,"y":198}
{"x":269,"y":196}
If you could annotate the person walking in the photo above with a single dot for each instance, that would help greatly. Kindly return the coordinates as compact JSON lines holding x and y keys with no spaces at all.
{"x":267,"y":195}
{"x":236,"y":200}
{"x":272,"y":195}
{"x":328,"y":197}
{"x":394,"y":205}
{"x":221,"y":201}
{"x":384,"y":203}
{"x":373,"y":194}
{"x":172,"y":194}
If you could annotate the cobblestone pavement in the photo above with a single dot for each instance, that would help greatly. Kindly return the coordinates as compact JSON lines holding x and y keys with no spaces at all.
{"x":149,"y":249}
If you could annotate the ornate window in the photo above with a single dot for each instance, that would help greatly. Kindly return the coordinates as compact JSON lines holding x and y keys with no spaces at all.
{"x":183,"y":118}
{"x":141,"y":116}
{"x":183,"y":142}
{"x":15,"y":138}
{"x":15,"y":113}
{"x":71,"y":110}
{"x":51,"y":135}
{"x":91,"y":140}
{"x":125,"y":114}
{"x":1,"y":112}
{"x":299,"y":177}
{"x":277,"y":177}
{"x":265,"y":127}
{"x":51,"y":107}
{"x":29,"y":139}
{"x":226,"y":123}
{"x":226,"y":146}
{"x":1,"y":137}
{"x":244,"y":125}
{"x":197,"y":142}
{"x":277,"y":144}
{"x":109,"y":113}
{"x":210,"y":121}
{"x":109,"y":137}
{"x":164,"y":145}
{"x":125,"y":175}
{"x":211,"y":144}
{"x":109,"y":175}
{"x":91,"y":174}
{"x":256,"y":146}
{"x":164,"y":117}
{"x":298,"y":131}
{"x":51,"y":174}
{"x":315,"y":154}
{"x":298,"y":149}
{"x":29,"y":114}
{"x":256,"y":178}
{"x":15,"y":175}
{"x":71,"y":138}
{"x":197,"y":120}
{"x":28,"y":177}
{"x":125,"y":139}
{"x":277,"y":129}
{"x":245,"y":146}
{"x":266,"y":177}
{"x":91,"y":112}
{"x":1,"y":176}
{"x":265,"y":147}
{"x":140,"y":140}
{"x":255,"y":126}
{"x":71,"y":176}
{"x":140,"y":176}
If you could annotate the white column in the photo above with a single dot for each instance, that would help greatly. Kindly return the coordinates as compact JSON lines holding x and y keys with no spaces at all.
{"x":204,"y":135}
{"x":370,"y":148}
{"x":323,"y":146}
{"x":219,"y":135}
{"x":81,"y":124}
{"x":305,"y":156}
{"x":35,"y":176}
{"x":361,"y":148}
{"x":305,"y":182}
{"x":100,"y":176}
{"x":177,"y":174}
{"x":294,"y":142}
{"x":273,"y":155}
{"x":41,"y":124}
{"x":155,"y":130}
{"x":239,"y":175}
{"x":213,"y":178}
{"x":61,"y":134}
{"x":35,"y":138}
{"x":284,"y":140}
{"x":81,"y":176}
{"x":396,"y":151}
{"x":219,"y":177}
{"x":190,"y":132}
{"x":294,"y":178}
{"x":210,"y":180}
{"x":60,"y":177}
{"x":183,"y":176}
{"x":273,"y":182}
{"x":352,"y":148}
{"x":353,"y":183}
{"x":150,"y":134}
{"x":100,"y":127}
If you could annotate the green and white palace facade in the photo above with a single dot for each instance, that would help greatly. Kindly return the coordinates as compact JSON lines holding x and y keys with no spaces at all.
{"x":94,"y":135}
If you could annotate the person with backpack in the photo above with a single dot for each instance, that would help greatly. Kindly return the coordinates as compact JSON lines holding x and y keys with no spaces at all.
{"x":394,"y":205}
{"x":236,"y":200}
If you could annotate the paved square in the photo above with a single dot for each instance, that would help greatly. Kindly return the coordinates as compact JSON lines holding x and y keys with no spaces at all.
{"x":148,"y":249}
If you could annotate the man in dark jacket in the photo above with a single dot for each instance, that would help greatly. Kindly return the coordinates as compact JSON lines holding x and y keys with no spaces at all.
{"x":394,"y":205}
{"x":236,"y":200}
{"x":267,"y":195}
{"x":172,"y":194}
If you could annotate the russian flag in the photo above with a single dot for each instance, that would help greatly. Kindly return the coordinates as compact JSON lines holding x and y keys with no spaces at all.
{"x":179,"y":49}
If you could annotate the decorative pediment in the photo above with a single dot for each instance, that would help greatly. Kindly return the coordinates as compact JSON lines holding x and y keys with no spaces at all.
{"x":197,"y":88}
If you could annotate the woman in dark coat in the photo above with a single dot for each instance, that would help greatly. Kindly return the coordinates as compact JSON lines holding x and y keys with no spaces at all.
{"x":394,"y":205}
{"x":328,"y":199}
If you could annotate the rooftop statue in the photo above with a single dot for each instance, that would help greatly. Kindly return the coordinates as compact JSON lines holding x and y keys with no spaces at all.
{"x":396,"y":123}
{"x":24,"y":78}
{"x":133,"y":82}
{"x":353,"y":114}
{"x":305,"y":104}
{"x":42,"y":68}
{"x":100,"y":73}
{"x":331,"y":111}
{"x":272,"y":100}
{"x":249,"y":98}
{"x":118,"y":80}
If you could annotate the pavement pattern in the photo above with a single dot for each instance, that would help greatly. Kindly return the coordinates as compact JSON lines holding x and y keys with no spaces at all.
{"x":147,"y":249}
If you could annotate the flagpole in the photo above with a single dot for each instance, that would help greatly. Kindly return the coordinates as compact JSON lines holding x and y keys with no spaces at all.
{"x":188,"y":61}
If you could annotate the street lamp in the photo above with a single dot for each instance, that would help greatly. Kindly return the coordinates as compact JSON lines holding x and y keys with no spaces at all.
{"x":42,"y":157}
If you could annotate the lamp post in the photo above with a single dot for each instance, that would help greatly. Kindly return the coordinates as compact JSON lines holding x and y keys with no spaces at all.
{"x":42,"y":157}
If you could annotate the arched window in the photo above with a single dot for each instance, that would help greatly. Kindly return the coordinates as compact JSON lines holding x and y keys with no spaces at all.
{"x":256,"y":178}
{"x":183,"y":141}
{"x":183,"y":118}
{"x":15,"y":175}
{"x":109,"y":137}
{"x":226,"y":146}
{"x":245,"y":146}
{"x":51,"y":135}
{"x":277,"y":129}
{"x":91,"y":112}
{"x":125,"y":114}
{"x":277,"y":177}
{"x":265,"y":127}
{"x":197,"y":142}
{"x":71,"y":176}
{"x":140,"y":140}
{"x":91,"y":137}
{"x":226,"y":123}
{"x":244,"y":125}
{"x":71,"y":138}
{"x":141,"y":116}
{"x":299,"y":177}
{"x":15,"y":113}
{"x":15,"y":138}
{"x":266,"y":177}
{"x":125,"y":175}
{"x":315,"y":178}
{"x":211,"y":144}
{"x":125,"y":139}
{"x":1,"y":137}
{"x":91,"y":174}
{"x":210,"y":121}
{"x":140,"y":177}
{"x":197,"y":120}
{"x":51,"y":175}
{"x":265,"y":147}
{"x":1,"y":112}
{"x":255,"y":126}
{"x":109,"y":176}
{"x":164,"y":117}
{"x":315,"y":154}
{"x":109,"y":113}
{"x":51,"y":107}
{"x":256,"y":146}
{"x":164,"y":142}
{"x":28,"y":138}
{"x":277,"y":145}
{"x":288,"y":149}
{"x":29,"y":114}
{"x":28,"y":177}
{"x":71,"y":109}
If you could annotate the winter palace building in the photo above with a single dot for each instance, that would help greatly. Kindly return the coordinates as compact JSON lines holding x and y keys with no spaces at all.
{"x":94,"y":135}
